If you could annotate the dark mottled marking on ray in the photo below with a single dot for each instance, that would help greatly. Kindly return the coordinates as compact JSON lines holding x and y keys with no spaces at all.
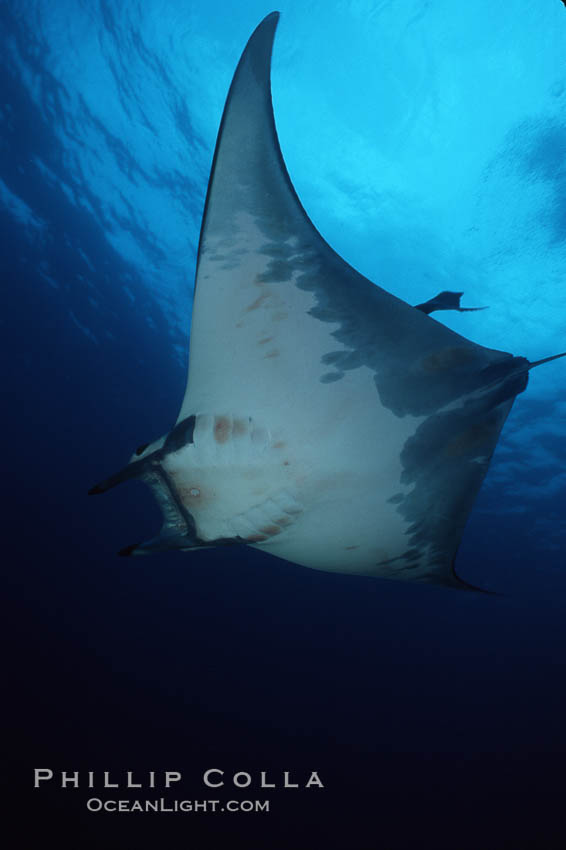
{"x":445,"y":462}
{"x":332,"y":357}
{"x":426,"y":373}
{"x":345,"y":360}
{"x":330,"y":377}
{"x":275,"y":250}
{"x":387,"y":561}
{"x":446,"y":360}
{"x":501,"y":370}
{"x":394,"y":500}
{"x":276,"y":272}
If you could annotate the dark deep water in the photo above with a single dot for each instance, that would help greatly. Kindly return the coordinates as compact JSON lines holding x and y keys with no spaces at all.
{"x":434,"y":719}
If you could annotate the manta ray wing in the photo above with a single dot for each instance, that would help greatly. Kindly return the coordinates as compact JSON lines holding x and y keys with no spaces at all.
{"x":325,"y":421}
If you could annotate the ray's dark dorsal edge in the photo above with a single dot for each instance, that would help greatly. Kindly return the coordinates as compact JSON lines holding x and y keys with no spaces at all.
{"x":325,"y":421}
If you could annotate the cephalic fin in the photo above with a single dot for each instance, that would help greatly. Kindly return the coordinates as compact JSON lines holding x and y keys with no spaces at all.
{"x":132,"y":470}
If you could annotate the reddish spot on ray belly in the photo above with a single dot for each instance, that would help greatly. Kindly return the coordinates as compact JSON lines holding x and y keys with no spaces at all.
{"x":221,"y":428}
{"x":258,"y":302}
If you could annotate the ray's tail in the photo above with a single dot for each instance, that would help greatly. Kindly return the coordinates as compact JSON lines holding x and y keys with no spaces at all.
{"x":544,"y":360}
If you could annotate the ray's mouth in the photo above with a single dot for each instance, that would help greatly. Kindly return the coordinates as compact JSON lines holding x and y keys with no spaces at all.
{"x":179,"y":527}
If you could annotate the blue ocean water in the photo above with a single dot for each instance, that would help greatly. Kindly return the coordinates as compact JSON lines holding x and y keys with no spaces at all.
{"x":428,"y":144}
